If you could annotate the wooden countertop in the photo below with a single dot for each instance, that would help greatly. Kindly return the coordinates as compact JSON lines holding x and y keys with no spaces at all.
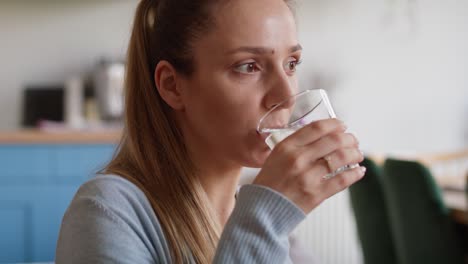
{"x":457,"y":202}
{"x":60,"y":137}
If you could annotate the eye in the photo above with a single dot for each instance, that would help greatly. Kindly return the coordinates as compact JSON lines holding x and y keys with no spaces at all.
{"x":249,"y":67}
{"x":292,"y":65}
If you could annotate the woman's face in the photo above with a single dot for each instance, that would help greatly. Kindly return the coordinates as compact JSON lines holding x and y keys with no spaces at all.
{"x":243,"y":67}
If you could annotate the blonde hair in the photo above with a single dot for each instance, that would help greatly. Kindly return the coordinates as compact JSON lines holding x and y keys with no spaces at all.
{"x":152,"y":153}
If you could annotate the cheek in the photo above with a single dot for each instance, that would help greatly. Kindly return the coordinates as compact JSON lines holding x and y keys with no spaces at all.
{"x":226,"y":104}
{"x":224,"y":114}
{"x":215,"y":116}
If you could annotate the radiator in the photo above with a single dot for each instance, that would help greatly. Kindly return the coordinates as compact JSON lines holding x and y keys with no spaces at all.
{"x":329,"y":232}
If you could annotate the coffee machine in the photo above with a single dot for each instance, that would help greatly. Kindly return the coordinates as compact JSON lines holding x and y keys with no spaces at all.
{"x":109,"y":89}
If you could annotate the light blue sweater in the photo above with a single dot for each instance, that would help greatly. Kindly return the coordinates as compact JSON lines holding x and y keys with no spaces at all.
{"x":110,"y":220}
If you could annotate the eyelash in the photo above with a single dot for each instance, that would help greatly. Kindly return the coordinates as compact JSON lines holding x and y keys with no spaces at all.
{"x":249,"y":65}
{"x":253,"y":66}
{"x":296,"y":62}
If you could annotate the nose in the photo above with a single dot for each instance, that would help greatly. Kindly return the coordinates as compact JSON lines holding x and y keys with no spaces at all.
{"x":281,"y":88}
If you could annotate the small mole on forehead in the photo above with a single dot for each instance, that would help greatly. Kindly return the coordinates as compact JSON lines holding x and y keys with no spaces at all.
{"x":272,"y":51}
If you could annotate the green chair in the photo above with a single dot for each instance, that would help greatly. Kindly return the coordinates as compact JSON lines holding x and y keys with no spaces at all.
{"x":370,"y":210}
{"x":422,"y":228}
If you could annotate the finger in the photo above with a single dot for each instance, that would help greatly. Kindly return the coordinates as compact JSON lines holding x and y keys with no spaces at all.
{"x":342,"y":157}
{"x":328,"y":144}
{"x":315,"y":130}
{"x":342,"y":181}
{"x":319,"y":169}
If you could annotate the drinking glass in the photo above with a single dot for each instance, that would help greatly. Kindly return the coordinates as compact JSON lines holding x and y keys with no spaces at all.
{"x":290,"y":115}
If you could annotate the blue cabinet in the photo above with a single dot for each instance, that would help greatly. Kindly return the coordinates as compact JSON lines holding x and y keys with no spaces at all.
{"x":37,"y":183}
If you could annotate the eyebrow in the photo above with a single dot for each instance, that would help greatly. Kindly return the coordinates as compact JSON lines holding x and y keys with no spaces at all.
{"x":261,"y":50}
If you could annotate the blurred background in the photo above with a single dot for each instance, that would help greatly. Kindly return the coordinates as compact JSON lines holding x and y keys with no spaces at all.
{"x":395,"y":70}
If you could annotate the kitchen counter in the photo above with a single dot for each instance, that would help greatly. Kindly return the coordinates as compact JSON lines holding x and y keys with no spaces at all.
{"x":40,"y":173}
{"x":457,"y":202}
{"x":60,"y":137}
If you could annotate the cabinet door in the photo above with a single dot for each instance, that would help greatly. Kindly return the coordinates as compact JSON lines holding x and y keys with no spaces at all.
{"x":36,"y":187}
{"x":30,"y":218}
{"x":14,"y":225}
{"x":25,"y":164}
{"x":78,"y":163}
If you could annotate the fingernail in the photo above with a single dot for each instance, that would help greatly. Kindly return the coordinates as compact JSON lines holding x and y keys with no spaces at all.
{"x":363,"y":170}
{"x":362,"y":152}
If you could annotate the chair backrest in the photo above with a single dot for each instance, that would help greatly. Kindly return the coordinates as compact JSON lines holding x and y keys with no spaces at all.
{"x":370,"y":210}
{"x":421,"y":226}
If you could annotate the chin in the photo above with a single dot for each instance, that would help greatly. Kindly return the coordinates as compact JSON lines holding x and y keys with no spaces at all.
{"x":255,"y":152}
{"x":257,"y":157}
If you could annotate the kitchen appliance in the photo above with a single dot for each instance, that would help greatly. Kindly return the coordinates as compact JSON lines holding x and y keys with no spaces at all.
{"x":109,"y":89}
{"x":44,"y":102}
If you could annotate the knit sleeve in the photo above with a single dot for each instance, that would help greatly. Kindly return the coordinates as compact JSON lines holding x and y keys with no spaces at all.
{"x":110,"y":221}
{"x":258,"y":228}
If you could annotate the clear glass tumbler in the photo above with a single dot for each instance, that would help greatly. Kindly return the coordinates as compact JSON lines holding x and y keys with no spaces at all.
{"x":290,"y":115}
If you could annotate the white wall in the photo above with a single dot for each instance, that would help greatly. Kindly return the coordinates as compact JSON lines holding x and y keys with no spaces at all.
{"x":401,"y":86}
{"x":398,"y":73}
{"x":49,"y":41}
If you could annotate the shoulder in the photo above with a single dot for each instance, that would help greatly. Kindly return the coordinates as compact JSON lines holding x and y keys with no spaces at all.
{"x":107,"y":187}
{"x":108,"y":218}
{"x":116,"y":197}
{"x":112,"y":190}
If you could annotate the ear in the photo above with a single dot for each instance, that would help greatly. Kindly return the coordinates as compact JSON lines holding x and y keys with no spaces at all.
{"x":165,"y":77}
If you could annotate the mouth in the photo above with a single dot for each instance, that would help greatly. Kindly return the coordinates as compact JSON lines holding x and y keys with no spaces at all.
{"x":263,"y":136}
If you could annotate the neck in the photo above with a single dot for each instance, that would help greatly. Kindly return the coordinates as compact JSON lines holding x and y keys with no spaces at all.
{"x":220,"y":187}
{"x":219,"y":177}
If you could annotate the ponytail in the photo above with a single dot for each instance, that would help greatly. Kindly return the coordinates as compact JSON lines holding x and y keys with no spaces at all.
{"x":152,"y":153}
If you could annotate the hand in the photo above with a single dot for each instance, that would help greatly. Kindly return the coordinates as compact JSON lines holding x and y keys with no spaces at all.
{"x":297,"y":164}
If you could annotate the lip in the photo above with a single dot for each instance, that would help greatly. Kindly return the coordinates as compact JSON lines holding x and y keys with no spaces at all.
{"x":263,"y":136}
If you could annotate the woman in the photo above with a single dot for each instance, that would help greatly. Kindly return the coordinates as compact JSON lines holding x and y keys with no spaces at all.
{"x":200,"y":74}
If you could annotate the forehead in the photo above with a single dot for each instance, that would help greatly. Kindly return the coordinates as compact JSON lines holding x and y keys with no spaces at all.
{"x":264,"y":23}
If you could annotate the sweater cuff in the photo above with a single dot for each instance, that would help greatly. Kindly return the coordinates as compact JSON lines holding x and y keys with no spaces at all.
{"x":270,"y":207}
